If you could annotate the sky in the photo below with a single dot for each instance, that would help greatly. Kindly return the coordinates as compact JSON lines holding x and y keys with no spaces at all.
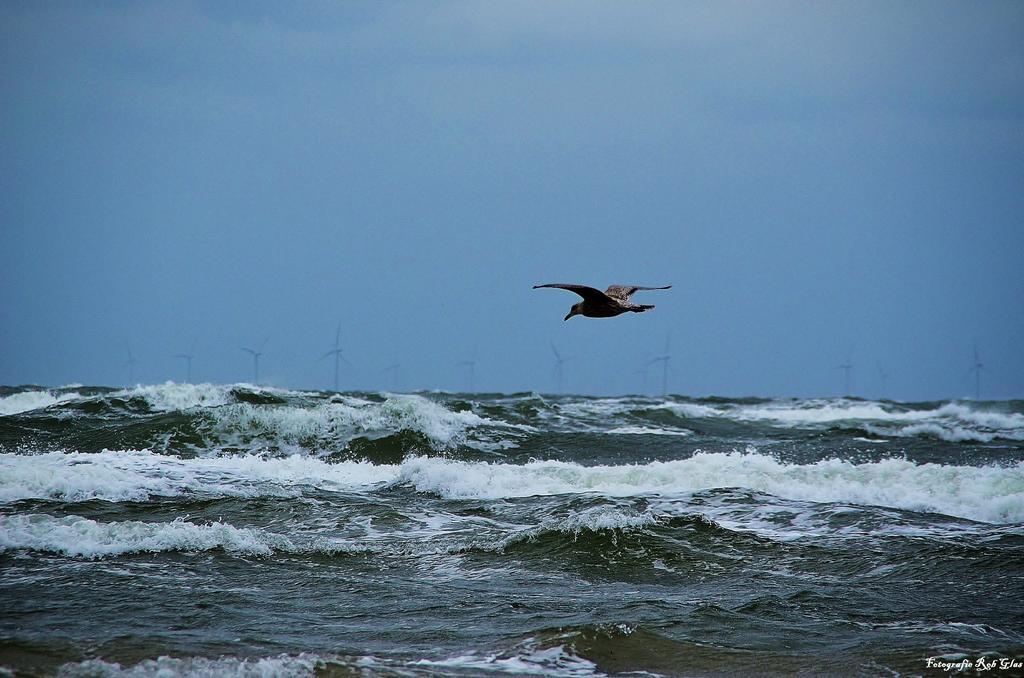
{"x":820,"y":183}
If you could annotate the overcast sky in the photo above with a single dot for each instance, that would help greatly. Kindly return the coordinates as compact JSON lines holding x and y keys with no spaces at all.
{"x":819,"y":181}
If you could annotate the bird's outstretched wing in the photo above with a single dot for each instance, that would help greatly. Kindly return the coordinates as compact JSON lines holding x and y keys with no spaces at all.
{"x":623,"y":292}
{"x":588,"y":293}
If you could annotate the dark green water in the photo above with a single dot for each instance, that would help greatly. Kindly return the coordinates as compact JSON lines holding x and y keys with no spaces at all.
{"x":233,"y":530}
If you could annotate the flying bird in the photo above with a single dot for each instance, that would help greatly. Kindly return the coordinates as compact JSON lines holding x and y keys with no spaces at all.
{"x":608,"y":304}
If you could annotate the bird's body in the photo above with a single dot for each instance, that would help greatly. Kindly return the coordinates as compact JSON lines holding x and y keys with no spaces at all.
{"x":608,"y":304}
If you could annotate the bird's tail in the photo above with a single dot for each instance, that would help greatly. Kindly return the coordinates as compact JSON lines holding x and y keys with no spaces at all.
{"x":640,"y":308}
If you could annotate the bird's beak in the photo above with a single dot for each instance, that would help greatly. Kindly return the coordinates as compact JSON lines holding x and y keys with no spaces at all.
{"x":569,"y":316}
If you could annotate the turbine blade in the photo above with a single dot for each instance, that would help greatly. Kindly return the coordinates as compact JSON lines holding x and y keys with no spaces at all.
{"x":555,"y":351}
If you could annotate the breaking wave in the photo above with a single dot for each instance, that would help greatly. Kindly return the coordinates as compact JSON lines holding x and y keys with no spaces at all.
{"x":26,"y":401}
{"x":985,"y":493}
{"x":326,"y":423}
{"x":227,"y":667}
{"x":85,"y":538}
{"x":169,"y":396}
{"x":953,"y":422}
{"x":140,"y":475}
{"x":246,"y":416}
{"x":593,"y":520}
{"x":528,"y":659}
{"x":993,"y":494}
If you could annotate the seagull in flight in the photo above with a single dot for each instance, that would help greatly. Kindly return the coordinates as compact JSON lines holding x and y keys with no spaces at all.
{"x":608,"y":304}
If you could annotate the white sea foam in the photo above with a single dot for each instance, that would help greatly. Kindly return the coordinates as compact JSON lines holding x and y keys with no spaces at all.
{"x":954,"y":422}
{"x":337,"y":421}
{"x":988,"y":418}
{"x":85,"y":538}
{"x":594,"y":519}
{"x":32,"y":400}
{"x":692,"y":410}
{"x":139,"y":475}
{"x":587,"y":407}
{"x":957,"y":422}
{"x":944,"y":431}
{"x":605,"y":407}
{"x":985,"y":493}
{"x":647,"y":430}
{"x":170,"y":396}
{"x":825,"y":411}
{"x":530,"y":661}
{"x":227,"y":667}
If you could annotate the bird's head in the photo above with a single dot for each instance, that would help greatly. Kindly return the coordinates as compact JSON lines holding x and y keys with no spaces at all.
{"x":575,"y":310}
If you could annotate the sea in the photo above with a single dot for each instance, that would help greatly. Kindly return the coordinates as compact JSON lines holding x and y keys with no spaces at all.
{"x":241,"y":530}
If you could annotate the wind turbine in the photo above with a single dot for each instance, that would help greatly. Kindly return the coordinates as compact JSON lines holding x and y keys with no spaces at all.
{"x":188,"y":359}
{"x":130,"y":364}
{"x":255,"y":360}
{"x":977,"y":368}
{"x":883,"y":376}
{"x":664,"y":360}
{"x":472,"y":369}
{"x":337,"y":353}
{"x":559,"y":361}
{"x":846,"y":367}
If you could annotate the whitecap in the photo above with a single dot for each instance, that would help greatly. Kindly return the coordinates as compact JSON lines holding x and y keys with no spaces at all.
{"x":953,"y":422}
{"x":595,"y":519}
{"x":992,"y":494}
{"x":81,"y":537}
{"x":284,"y":666}
{"x":339,"y":420}
{"x":139,"y":475}
{"x":553,"y":661}
{"x":27,"y":401}
{"x":989,"y":493}
{"x":171,"y":396}
{"x":646,"y":430}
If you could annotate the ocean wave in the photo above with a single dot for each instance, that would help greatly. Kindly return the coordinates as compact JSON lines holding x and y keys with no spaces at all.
{"x":192,"y":418}
{"x":171,"y":396}
{"x":596,"y":519}
{"x":954,"y":421}
{"x":328,"y":423}
{"x":689,"y":410}
{"x":951,"y":421}
{"x":528,"y":660}
{"x":992,"y":494}
{"x":227,"y":667}
{"x":607,"y":407}
{"x":84,"y":538}
{"x":646,"y":430}
{"x":818,"y":411}
{"x":27,"y":401}
{"x":942,"y":431}
{"x":141,"y":475}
